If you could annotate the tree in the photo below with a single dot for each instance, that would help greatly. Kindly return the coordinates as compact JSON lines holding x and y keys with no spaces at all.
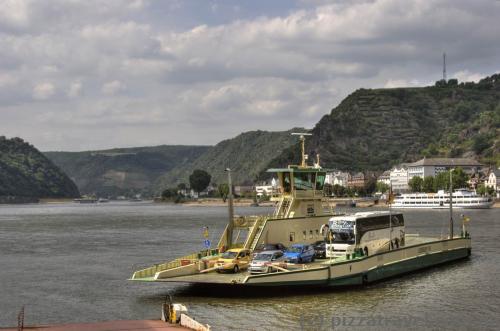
{"x":223,"y":190}
{"x":328,"y":189}
{"x":442,"y":180}
{"x":481,"y":189}
{"x":199,"y":180}
{"x":460,"y":178}
{"x":416,"y":184}
{"x":338,"y":191}
{"x":428,"y":184}
{"x":382,"y":187}
{"x":370,"y":185}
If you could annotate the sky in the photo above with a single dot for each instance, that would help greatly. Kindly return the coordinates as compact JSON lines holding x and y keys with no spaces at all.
{"x":86,"y":75}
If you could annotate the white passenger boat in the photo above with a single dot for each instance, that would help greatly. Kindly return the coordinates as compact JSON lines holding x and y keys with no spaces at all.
{"x":461,"y":199}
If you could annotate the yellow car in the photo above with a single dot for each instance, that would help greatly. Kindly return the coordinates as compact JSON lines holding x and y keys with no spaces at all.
{"x":235,"y":259}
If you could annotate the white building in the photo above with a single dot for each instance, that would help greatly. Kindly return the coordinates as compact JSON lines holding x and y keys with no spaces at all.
{"x":261,"y":190}
{"x":385,"y":178}
{"x":493,"y":180}
{"x":399,"y":179}
{"x":433,"y":166}
{"x":337,"y":178}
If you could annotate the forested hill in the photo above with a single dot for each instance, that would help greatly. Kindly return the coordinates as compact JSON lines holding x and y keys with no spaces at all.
{"x":373,"y":129}
{"x":26,"y":172}
{"x":123,"y":171}
{"x":247,"y":154}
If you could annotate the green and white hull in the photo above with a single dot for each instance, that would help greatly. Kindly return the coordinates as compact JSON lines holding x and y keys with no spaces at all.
{"x":419,"y":253}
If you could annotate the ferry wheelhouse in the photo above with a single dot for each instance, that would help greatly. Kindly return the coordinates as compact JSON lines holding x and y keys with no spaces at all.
{"x":462,"y":198}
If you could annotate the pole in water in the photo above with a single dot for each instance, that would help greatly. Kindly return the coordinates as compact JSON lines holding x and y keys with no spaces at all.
{"x":451,"y":204}
{"x":229,"y":233}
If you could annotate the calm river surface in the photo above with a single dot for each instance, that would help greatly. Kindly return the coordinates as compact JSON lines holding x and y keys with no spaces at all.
{"x":69,"y":263}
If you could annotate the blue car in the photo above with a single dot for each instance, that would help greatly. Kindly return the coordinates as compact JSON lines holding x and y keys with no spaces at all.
{"x":299,"y":253}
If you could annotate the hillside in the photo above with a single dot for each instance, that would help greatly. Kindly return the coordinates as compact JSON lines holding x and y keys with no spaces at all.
{"x":26,"y":172}
{"x":247,"y":154}
{"x":375,"y":129}
{"x":123,"y":171}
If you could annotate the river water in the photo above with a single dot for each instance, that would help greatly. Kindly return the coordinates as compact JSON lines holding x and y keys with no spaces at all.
{"x":69,"y":263}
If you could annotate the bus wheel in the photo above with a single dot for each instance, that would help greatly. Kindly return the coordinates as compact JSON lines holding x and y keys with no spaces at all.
{"x":366,"y":251}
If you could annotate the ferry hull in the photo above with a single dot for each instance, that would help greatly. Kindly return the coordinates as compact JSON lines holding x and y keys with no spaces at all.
{"x":421,"y":253}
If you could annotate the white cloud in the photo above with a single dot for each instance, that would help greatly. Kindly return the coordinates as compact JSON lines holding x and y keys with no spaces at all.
{"x":467,"y":76}
{"x":43,"y":91}
{"x":75,"y":89}
{"x":113,"y":87}
{"x":141,"y":65}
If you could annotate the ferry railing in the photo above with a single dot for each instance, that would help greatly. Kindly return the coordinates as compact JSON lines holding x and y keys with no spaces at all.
{"x":179,"y":262}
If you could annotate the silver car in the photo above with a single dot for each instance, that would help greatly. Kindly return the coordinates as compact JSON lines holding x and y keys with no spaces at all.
{"x":262,"y":262}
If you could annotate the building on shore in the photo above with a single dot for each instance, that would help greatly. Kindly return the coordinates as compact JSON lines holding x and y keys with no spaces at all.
{"x":357,"y":180}
{"x":398,"y":177}
{"x":337,"y":178}
{"x":493,"y":180}
{"x":261,"y":190}
{"x":385,"y":178}
{"x":432,"y":166}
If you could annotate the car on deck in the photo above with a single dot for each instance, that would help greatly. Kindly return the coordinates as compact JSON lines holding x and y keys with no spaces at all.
{"x":300,"y":253}
{"x":266,"y":261}
{"x":234,"y":260}
{"x":269,"y":247}
{"x":320,"y":249}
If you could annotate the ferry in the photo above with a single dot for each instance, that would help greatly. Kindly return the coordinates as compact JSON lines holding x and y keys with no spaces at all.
{"x":461,"y":198}
{"x":361,"y":248}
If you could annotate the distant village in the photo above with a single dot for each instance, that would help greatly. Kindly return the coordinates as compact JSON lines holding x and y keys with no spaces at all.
{"x":479,"y":178}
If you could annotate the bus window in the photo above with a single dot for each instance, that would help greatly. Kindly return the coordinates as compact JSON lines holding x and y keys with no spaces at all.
{"x":343,"y":231}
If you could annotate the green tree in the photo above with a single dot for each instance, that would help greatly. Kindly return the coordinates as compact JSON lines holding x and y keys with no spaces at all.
{"x":199,"y":180}
{"x":182,"y":187}
{"x":481,"y":189}
{"x":382,"y":187}
{"x":171,"y":194}
{"x":459,"y":179}
{"x":480,"y":143}
{"x":416,"y":184}
{"x":370,"y":185}
{"x":223,"y":190}
{"x":338,"y":191}
{"x":428,"y":184}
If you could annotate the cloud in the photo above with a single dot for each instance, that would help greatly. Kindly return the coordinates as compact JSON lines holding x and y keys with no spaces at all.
{"x":43,"y":91}
{"x":113,"y":87}
{"x":75,"y":89}
{"x":153,"y":71}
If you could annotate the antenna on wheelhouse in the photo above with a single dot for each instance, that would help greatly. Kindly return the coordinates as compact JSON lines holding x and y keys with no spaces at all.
{"x":302,"y":139}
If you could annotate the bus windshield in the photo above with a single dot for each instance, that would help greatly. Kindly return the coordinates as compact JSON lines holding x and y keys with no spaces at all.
{"x":343,"y":231}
